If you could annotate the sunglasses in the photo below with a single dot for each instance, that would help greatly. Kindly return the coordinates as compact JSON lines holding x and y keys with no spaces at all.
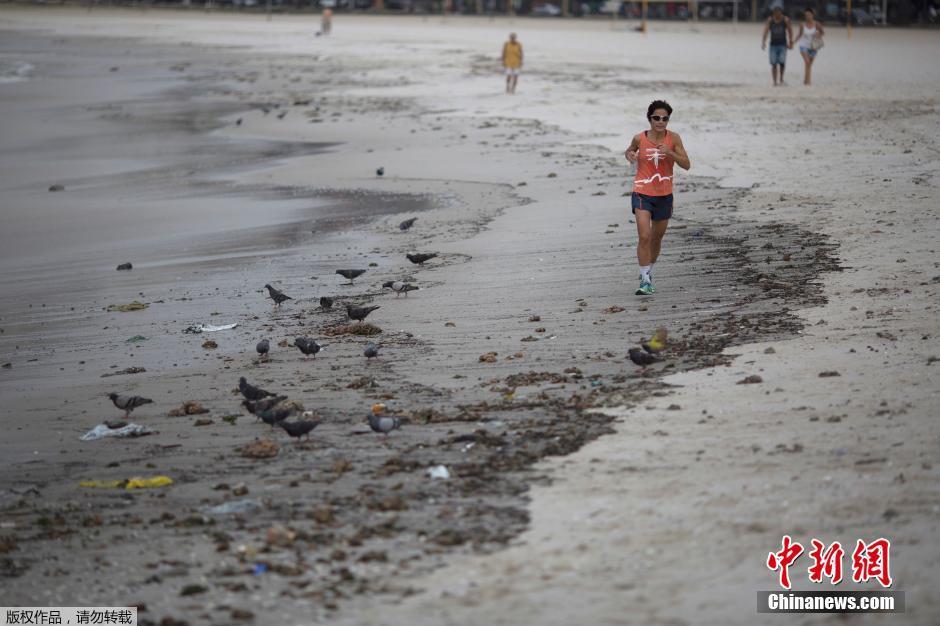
{"x":659,"y":118}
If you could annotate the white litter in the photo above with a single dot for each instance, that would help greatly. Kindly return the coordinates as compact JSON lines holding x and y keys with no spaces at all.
{"x":439,"y":471}
{"x":195,"y":329}
{"x":102,"y":431}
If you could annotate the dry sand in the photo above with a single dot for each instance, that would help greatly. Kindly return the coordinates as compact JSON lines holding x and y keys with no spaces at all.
{"x":665,"y":521}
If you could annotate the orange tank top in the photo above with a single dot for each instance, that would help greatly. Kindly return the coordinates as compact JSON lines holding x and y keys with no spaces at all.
{"x":653,"y":168}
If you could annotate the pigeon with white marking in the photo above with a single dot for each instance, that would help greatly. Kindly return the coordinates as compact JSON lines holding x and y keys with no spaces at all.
{"x":399,"y":287}
{"x":381,"y":423}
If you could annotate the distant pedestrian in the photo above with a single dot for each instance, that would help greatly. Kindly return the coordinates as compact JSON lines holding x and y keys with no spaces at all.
{"x":810,"y":40}
{"x":781,"y":38}
{"x":326,"y":21}
{"x":654,"y":151}
{"x":512,"y":61}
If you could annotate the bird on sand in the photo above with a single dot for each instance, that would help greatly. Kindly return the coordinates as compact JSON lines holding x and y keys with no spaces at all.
{"x":250,"y":391}
{"x":359,"y":313}
{"x":300,"y":428}
{"x":371,"y":351}
{"x":307,"y":346}
{"x":274,"y":416}
{"x":641,"y":358}
{"x":658,"y":342}
{"x":262,"y":348}
{"x":381,"y":423}
{"x":128,"y":403}
{"x":380,"y":171}
{"x":408,"y":223}
{"x":399,"y":287}
{"x":277,"y":296}
{"x":281,"y":115}
{"x":326,"y":302}
{"x":350,"y":275}
{"x":419,"y":258}
{"x":257,"y":406}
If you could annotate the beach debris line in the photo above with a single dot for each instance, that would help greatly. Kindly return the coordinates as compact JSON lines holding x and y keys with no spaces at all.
{"x":125,"y":267}
{"x":350,"y":275}
{"x":279,"y":297}
{"x":359,"y":313}
{"x":408,"y":223}
{"x":308,"y":346}
{"x":399,"y":287}
{"x":420,"y":258}
{"x":362,"y":329}
{"x":126,"y":308}
{"x":195,"y":329}
{"x":102,"y":431}
{"x":260,"y":449}
{"x":128,"y":403}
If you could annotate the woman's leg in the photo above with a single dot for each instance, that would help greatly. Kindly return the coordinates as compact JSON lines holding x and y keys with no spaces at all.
{"x":644,"y":244}
{"x":807,"y":67}
{"x":657,"y":230}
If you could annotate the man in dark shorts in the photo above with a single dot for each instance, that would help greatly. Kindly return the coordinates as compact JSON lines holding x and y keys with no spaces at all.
{"x":654,"y":151}
{"x":781,"y":39}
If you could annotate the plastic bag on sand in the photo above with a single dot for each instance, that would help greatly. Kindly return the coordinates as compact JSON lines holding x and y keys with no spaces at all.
{"x":137,"y":482}
{"x":101,"y":431}
{"x":195,"y":329}
{"x":439,"y":471}
{"x":235,"y":506}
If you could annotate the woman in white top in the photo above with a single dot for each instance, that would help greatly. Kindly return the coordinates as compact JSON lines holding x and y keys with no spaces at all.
{"x":810,"y":41}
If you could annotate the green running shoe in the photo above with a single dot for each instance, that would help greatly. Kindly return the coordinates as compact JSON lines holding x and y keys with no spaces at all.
{"x":646,"y":289}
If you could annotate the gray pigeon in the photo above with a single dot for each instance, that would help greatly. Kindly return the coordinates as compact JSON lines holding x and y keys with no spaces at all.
{"x":419,"y":258}
{"x":299,"y":429}
{"x":383,"y":423}
{"x":257,"y":406}
{"x":641,"y":358}
{"x":359,"y":313}
{"x":380,"y":171}
{"x":128,"y":403}
{"x":399,"y":287}
{"x":250,"y":391}
{"x":326,"y":302}
{"x":350,"y":275}
{"x":277,"y":296}
{"x":308,"y":346}
{"x":273,"y":416}
{"x":371,"y":351}
{"x":408,"y":223}
{"x":263,"y":346}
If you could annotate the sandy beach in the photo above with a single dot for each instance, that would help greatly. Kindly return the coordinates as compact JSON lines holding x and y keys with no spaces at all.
{"x":219,"y":152}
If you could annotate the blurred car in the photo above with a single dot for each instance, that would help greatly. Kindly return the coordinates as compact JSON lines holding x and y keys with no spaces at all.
{"x":546,"y":10}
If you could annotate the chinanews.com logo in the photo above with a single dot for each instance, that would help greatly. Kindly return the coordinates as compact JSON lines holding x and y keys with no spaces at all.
{"x":869,"y":561}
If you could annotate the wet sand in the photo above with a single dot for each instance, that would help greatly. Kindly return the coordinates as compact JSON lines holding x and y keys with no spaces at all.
{"x":524,"y":203}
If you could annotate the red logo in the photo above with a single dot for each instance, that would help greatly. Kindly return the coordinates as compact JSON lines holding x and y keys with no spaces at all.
{"x":869,"y":561}
{"x":783,"y":559}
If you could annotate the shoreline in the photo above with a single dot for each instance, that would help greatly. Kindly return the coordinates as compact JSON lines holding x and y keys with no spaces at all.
{"x":376,"y":507}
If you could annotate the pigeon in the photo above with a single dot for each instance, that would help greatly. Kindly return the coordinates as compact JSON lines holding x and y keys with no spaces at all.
{"x":382,"y":423}
{"x":263,"y":346}
{"x":308,"y":346}
{"x":257,"y":406}
{"x":350,"y":275}
{"x":408,"y":223}
{"x":238,"y":122}
{"x":281,"y":115}
{"x":273,"y":416}
{"x":326,"y":302}
{"x":400,"y":287}
{"x":658,"y":342}
{"x":299,"y":429}
{"x":371,"y":351}
{"x":420,"y":258}
{"x":359,"y":313}
{"x":380,"y":171}
{"x":641,"y":358}
{"x":128,"y":403}
{"x":250,"y":391}
{"x":277,"y":296}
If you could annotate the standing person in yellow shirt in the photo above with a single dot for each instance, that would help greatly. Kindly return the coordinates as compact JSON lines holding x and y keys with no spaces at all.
{"x":512,"y":61}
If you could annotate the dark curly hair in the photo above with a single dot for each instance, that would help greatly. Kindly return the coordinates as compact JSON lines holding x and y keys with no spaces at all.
{"x":658,"y":104}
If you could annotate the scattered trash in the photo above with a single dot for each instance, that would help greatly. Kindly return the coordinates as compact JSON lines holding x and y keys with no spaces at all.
{"x":450,"y":324}
{"x":203,"y":422}
{"x":136,"y":482}
{"x":235,"y":507}
{"x":535,"y":318}
{"x":613,"y":309}
{"x":280,"y":535}
{"x":125,"y":267}
{"x":596,"y":382}
{"x":190,"y":407}
{"x":136,"y":338}
{"x":259,"y":568}
{"x":489,"y":357}
{"x":195,"y":329}
{"x":770,"y":350}
{"x":127,"y":370}
{"x":439,"y":471}
{"x":191,"y":590}
{"x":829,"y":374}
{"x":208,"y":344}
{"x":230,"y":419}
{"x":125,"y":308}
{"x":260,"y":449}
{"x":101,"y":431}
{"x":751,"y":380}
{"x":360,"y":328}
{"x":57,"y":188}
